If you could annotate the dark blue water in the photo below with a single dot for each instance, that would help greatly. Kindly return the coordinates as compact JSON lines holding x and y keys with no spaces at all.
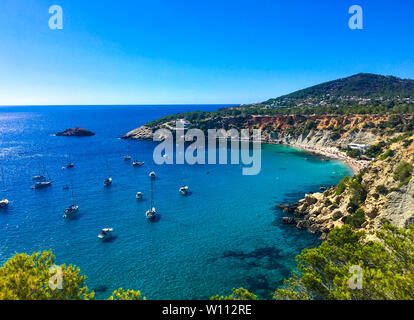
{"x":224,"y":235}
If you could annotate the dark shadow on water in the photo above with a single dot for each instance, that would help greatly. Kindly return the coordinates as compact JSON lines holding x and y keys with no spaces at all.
{"x":156,"y":219}
{"x":101,"y":288}
{"x":267,"y":258}
{"x":110,"y":240}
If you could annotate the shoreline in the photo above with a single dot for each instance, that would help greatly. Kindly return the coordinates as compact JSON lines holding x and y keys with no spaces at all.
{"x":332,"y":153}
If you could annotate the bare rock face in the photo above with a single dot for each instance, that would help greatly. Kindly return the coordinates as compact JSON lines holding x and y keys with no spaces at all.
{"x":141,"y":133}
{"x":76,"y":132}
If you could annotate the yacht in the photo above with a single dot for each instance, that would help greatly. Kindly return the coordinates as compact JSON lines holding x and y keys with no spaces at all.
{"x":184,"y":190}
{"x":71,"y":211}
{"x":127,"y":157}
{"x":108,"y":182}
{"x":138,"y":195}
{"x":38,"y":178}
{"x":70,"y":165}
{"x":137,"y":163}
{"x":150,"y":214}
{"x":4,"y":203}
{"x":152,"y":175}
{"x":41,"y":184}
{"x":105,"y":234}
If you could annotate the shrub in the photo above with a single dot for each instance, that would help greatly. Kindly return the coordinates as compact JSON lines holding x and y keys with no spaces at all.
{"x":337,"y":215}
{"x":386,"y":154}
{"x":381,"y":189}
{"x":403,"y":173}
{"x":340,"y":188}
{"x":357,"y":219}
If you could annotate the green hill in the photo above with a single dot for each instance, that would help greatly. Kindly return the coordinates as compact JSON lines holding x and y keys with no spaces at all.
{"x":362,"y":85}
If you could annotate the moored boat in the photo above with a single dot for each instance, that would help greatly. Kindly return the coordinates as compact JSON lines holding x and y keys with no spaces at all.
{"x":138,"y":196}
{"x":4,"y":203}
{"x":184,"y":190}
{"x":41,"y":184}
{"x":71,"y":211}
{"x":108,"y":182}
{"x":105,"y":234}
{"x":137,"y":163}
{"x":152,"y":175}
{"x":150,"y":214}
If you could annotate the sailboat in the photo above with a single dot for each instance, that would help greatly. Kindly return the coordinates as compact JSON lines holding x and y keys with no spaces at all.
{"x":127,"y":157}
{"x":70,"y":163}
{"x":41,"y":181}
{"x":5,"y":202}
{"x":151,"y":213}
{"x":107,"y":181}
{"x":184,"y":189}
{"x":72,"y":209}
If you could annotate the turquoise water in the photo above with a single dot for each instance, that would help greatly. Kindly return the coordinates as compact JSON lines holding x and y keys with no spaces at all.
{"x":224,"y":235}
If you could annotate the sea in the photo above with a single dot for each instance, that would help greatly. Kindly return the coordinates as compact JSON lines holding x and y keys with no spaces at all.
{"x":226,"y":233}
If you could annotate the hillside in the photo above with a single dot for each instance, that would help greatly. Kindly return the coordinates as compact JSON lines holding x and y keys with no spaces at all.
{"x":362,"y":85}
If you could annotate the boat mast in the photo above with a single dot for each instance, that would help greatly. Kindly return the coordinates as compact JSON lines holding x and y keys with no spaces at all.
{"x":152,"y":194}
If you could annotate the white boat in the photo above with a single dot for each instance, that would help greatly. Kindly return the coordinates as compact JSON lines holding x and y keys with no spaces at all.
{"x":4,"y":203}
{"x":38,"y":178}
{"x":150,"y":214}
{"x":105,"y":234}
{"x":137,"y":163}
{"x":41,"y":184}
{"x":138,"y":195}
{"x":71,"y":211}
{"x":108,"y":182}
{"x":127,"y":157}
{"x":184,"y":190}
{"x":152,"y":175}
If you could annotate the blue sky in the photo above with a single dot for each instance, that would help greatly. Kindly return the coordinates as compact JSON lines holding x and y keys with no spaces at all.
{"x":193,"y":52}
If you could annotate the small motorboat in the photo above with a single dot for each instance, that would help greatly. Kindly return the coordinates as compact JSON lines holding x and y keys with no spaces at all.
{"x":107,"y":182}
{"x":127,"y":158}
{"x":70,"y":165}
{"x":65,"y":188}
{"x":150,"y":214}
{"x":4,"y":203}
{"x":138,"y":195}
{"x":71,"y":211}
{"x":137,"y":163}
{"x":105,"y":234}
{"x":152,"y":175}
{"x":38,"y":178}
{"x":42,"y":184}
{"x":184,"y":190}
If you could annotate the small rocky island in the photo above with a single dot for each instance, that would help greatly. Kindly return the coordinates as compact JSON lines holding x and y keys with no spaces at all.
{"x":76,"y":132}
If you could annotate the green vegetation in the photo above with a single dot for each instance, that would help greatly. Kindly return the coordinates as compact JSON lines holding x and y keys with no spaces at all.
{"x":381,"y":189}
{"x":341,"y":186}
{"x":357,"y":219}
{"x":324,"y":272}
{"x":237,"y":294}
{"x":386,"y":154}
{"x":337,"y":215}
{"x":403,"y":173}
{"x":25,"y":277}
{"x":353,"y":153}
{"x":121,"y":294}
{"x":375,"y":150}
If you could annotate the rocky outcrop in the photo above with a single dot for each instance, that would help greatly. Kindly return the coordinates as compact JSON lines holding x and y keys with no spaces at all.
{"x":387,"y":197}
{"x":141,"y":133}
{"x":76,"y":132}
